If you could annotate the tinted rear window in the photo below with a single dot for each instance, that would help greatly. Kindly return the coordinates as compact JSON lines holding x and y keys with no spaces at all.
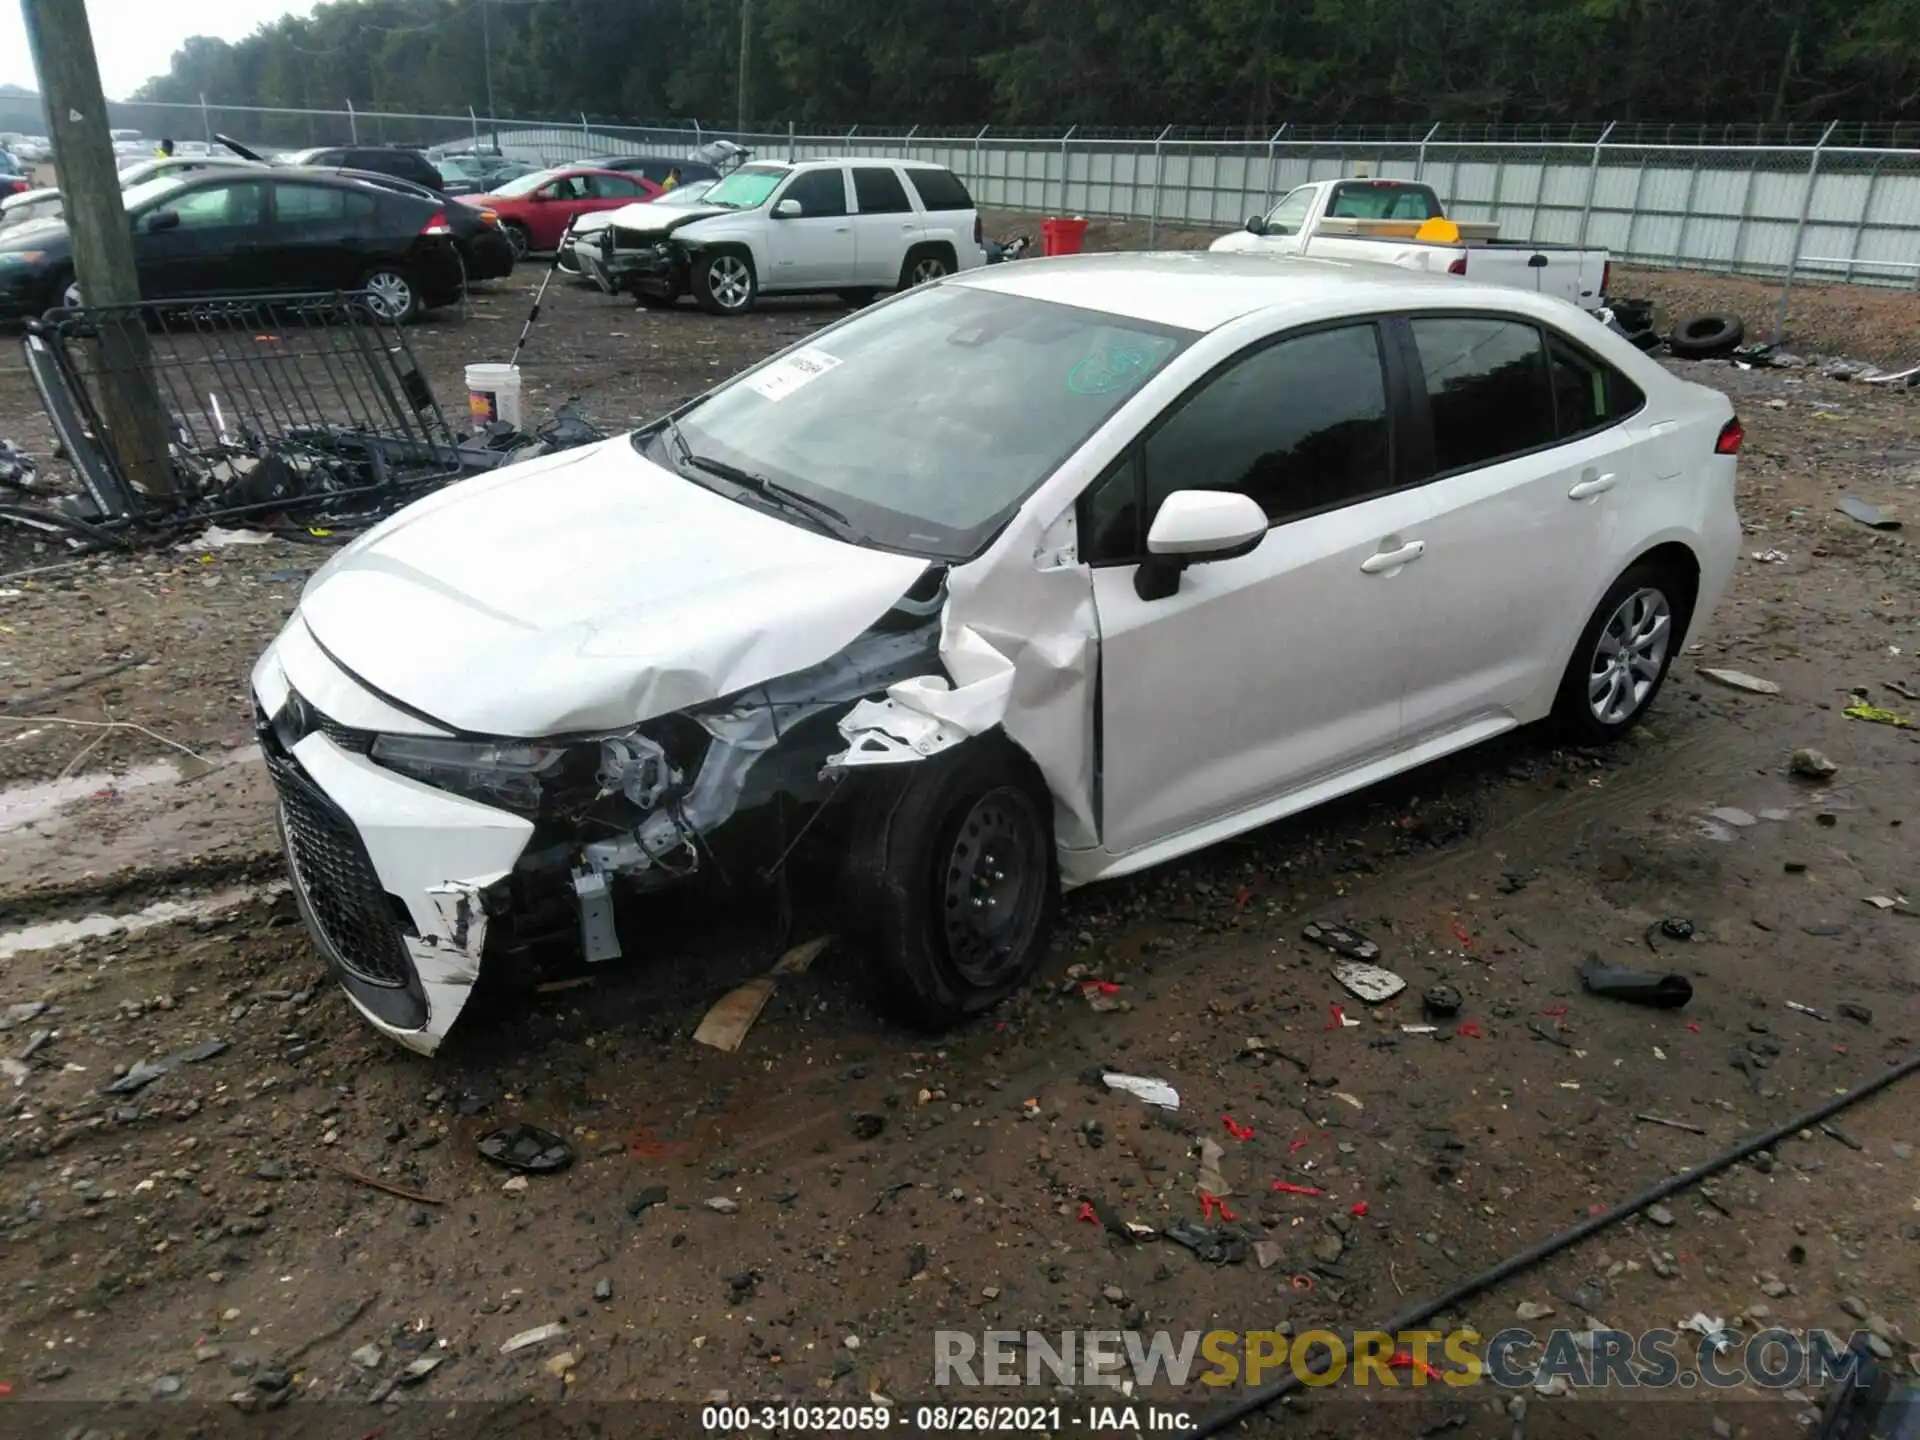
{"x":1368,"y":200}
{"x":940,"y":190}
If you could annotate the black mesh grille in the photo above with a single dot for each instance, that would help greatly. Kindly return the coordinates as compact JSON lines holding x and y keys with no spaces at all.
{"x":358,"y":741}
{"x":346,"y":897}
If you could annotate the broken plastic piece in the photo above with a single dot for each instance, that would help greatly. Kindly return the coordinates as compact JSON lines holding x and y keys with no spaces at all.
{"x":1235,"y":1129}
{"x":1371,"y":983}
{"x":1797,"y":1007}
{"x":1211,"y":1205}
{"x":725,"y":1026}
{"x":1860,"y":710}
{"x":526,"y":1149}
{"x":1087,"y":1215}
{"x":1738,"y":680}
{"x":1141,"y":1087}
{"x":1640,"y":987}
{"x":1359,"y":1209}
{"x":1441,"y":1000}
{"x":599,"y":940}
{"x":1857,"y":509}
{"x":1287,"y":1187}
{"x":1342,"y":941}
{"x":1340,"y":1020}
{"x":1471,"y":1029}
{"x":539,"y":1335}
{"x":1211,"y":1181}
{"x":1402,"y":1360}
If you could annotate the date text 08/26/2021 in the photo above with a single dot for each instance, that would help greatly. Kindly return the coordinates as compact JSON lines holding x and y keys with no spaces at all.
{"x":944,"y":1419}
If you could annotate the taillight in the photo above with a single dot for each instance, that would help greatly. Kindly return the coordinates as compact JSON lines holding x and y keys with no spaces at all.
{"x":437,"y":224}
{"x":1459,"y":266}
{"x":1606,"y":279}
{"x":1731,"y":434}
{"x":979,"y":230}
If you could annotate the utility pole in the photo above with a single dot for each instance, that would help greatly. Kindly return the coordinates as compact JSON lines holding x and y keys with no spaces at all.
{"x":486,"y":49}
{"x":102,"y":243}
{"x":746,"y":49}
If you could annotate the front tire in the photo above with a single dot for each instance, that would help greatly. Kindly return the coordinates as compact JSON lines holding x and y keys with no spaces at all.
{"x":519,"y":238}
{"x":949,"y":881}
{"x":392,"y":294}
{"x":1623,"y":655}
{"x":724,"y":283}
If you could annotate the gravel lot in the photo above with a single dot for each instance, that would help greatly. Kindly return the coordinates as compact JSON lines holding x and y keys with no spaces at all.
{"x":197,"y":1239}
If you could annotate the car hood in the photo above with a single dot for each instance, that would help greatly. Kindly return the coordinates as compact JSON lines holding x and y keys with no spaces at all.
{"x":29,"y":197}
{"x":589,"y":590}
{"x":659,"y":220}
{"x":43,"y":232}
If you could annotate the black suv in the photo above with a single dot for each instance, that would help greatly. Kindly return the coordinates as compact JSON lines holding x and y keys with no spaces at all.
{"x":383,"y":159}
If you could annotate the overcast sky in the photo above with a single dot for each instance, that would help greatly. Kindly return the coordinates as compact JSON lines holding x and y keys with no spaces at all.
{"x":136,"y":38}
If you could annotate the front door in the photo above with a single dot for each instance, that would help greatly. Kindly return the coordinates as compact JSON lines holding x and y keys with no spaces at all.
{"x":1265,"y":673}
{"x":1533,"y":473}
{"x":216,"y":244}
{"x":817,"y":246}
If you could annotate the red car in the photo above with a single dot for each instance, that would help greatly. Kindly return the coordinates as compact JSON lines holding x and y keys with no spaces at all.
{"x":536,"y":209}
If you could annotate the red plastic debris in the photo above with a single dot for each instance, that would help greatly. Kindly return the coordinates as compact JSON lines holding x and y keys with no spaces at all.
{"x":1339,"y":1020}
{"x":1238,"y":1131}
{"x":1360,"y":1209}
{"x":1472,"y":1030}
{"x":1694,"y":1026}
{"x":1287,"y":1187}
{"x":1294,"y":1147}
{"x":5,"y":1388}
{"x":1086,"y":1213}
{"x":1555,"y":1011}
{"x":1099,"y":987}
{"x":1303,"y":1282}
{"x":1243,"y":899}
{"x":1466,"y":940}
{"x":1210,"y":1205}
{"x":1401,"y":1360}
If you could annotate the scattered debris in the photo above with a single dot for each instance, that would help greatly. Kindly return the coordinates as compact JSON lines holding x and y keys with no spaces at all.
{"x":1711,"y":1328}
{"x":1639,"y":987}
{"x":1812,"y":765}
{"x":1266,"y":1253}
{"x":1236,"y":1129}
{"x":539,"y":1335}
{"x":1834,"y":1132}
{"x":1342,"y":941}
{"x":725,"y":1026}
{"x":1287,"y":1187}
{"x":648,"y":1198}
{"x":1672,"y":1124}
{"x":143,"y":1073}
{"x":1441,"y":1001}
{"x":1770,"y":557}
{"x":1796,"y":1006}
{"x":723,"y":1205}
{"x":1737,"y":680}
{"x":420,"y":1369}
{"x":1211,"y":1181}
{"x":526,"y":1149}
{"x":1529,"y":1311}
{"x":1874,"y":714}
{"x":1369,"y":982}
{"x":386,"y":1185}
{"x":1859,"y":1014}
{"x":1676,"y":927}
{"x":1215,"y":1244}
{"x":1154,"y":1092}
{"x":1855,"y":508}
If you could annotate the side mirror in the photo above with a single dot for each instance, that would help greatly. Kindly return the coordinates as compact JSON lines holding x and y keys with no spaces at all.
{"x":163,"y":220}
{"x":788,"y":210}
{"x":1256,"y":224}
{"x":1195,"y":527}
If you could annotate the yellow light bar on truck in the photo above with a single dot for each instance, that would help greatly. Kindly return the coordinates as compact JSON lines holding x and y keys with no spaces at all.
{"x":1438,"y":231}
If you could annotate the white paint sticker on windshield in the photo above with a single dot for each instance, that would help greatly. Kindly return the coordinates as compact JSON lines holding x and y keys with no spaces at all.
{"x":783,"y":377}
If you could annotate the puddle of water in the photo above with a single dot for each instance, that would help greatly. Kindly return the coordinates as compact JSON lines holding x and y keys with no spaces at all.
{"x":23,"y":805}
{"x":55,"y":933}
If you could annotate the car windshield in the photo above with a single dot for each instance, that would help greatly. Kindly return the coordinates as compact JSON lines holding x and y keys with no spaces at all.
{"x":525,"y":184}
{"x":746,"y":189}
{"x":453,"y":170}
{"x":927,"y":421}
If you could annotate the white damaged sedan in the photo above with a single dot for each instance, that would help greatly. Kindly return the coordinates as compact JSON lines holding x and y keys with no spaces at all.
{"x":1032,"y":577}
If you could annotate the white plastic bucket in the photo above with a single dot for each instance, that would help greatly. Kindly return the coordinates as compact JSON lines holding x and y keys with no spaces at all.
{"x":493,"y":393}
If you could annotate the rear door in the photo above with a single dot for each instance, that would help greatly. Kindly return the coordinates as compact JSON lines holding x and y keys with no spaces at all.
{"x":320,"y":235}
{"x":1533,"y":482}
{"x":885,"y":225}
{"x":215,"y":244}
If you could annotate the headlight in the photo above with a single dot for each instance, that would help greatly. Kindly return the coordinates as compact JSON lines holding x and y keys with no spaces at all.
{"x":504,"y":773}
{"x":22,"y":257}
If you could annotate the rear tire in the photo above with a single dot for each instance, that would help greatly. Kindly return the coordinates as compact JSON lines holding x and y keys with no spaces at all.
{"x":949,"y":880}
{"x":923,"y":265}
{"x":391,"y":292}
{"x":724,"y":283}
{"x":1623,"y":655}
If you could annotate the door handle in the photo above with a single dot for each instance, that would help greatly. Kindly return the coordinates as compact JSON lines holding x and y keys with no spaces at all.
{"x":1590,"y":485}
{"x":1386,"y":560}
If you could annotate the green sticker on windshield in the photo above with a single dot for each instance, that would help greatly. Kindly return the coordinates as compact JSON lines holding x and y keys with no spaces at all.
{"x":1109,"y":369}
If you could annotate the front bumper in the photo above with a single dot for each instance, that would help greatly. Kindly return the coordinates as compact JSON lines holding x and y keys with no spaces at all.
{"x":656,"y":268}
{"x":396,"y":880}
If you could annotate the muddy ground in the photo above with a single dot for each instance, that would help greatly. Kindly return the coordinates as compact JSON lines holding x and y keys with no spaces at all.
{"x":199,"y":1240}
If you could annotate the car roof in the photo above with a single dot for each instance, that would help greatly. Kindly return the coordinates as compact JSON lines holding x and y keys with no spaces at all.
{"x":826,"y":160}
{"x":1203,"y":290}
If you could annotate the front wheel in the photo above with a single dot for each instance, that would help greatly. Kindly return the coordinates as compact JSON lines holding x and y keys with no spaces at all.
{"x":949,"y":881}
{"x":1623,"y":655}
{"x":519,"y":238}
{"x":725,"y":284}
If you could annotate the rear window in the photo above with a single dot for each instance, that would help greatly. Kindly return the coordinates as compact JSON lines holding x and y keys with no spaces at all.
{"x":1374,"y":200}
{"x":877,"y":190}
{"x":940,"y":190}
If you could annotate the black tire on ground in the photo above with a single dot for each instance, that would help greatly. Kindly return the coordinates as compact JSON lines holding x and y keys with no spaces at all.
{"x":949,"y":880}
{"x":1705,"y":336}
{"x":724,"y":282}
{"x":1614,"y":659}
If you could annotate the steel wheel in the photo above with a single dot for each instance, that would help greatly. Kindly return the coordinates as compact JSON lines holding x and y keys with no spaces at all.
{"x":729,"y":281}
{"x":389,"y":293}
{"x":993,"y":890}
{"x":926,"y":268}
{"x":1628,"y":656}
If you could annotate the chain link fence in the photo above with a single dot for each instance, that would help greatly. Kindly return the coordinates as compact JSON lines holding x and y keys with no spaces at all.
{"x":1794,"y":203}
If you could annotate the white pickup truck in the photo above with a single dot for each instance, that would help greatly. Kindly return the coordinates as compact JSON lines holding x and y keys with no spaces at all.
{"x":1401,"y":222}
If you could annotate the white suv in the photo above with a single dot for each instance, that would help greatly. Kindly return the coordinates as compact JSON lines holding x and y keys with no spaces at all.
{"x":855,"y":226}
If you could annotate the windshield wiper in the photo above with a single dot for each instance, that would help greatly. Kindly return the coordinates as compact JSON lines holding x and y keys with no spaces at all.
{"x":783,"y":496}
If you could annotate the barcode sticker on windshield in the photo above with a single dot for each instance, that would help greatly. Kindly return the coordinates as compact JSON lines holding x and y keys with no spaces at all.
{"x":783,"y":377}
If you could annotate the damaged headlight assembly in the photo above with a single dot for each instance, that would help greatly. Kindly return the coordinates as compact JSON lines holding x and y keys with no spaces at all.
{"x":508,"y":774}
